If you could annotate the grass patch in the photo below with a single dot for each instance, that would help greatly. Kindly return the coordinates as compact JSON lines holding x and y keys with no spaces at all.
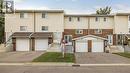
{"x":55,"y":57}
{"x":125,"y":54}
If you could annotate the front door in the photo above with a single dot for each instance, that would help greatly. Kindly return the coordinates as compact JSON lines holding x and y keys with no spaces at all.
{"x":110,"y":39}
{"x":68,"y":39}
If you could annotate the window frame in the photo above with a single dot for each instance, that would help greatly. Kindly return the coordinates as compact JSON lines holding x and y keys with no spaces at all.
{"x":22,"y":15}
{"x":70,"y":19}
{"x":96,"y":19}
{"x":68,"y":39}
{"x":129,"y":18}
{"x":78,"y":19}
{"x":44,"y":15}
{"x":23,"y":28}
{"x":45,"y":29}
{"x":105,"y":19}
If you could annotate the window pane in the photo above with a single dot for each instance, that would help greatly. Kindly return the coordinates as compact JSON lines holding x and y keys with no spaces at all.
{"x":43,"y":15}
{"x":70,"y":19}
{"x":78,"y":18}
{"x":129,"y":18}
{"x":22,"y":15}
{"x":96,"y":19}
{"x":44,"y":28}
{"x":23,"y":28}
{"x":105,"y":19}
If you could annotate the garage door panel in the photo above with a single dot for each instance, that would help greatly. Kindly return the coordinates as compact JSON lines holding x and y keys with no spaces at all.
{"x":22,"y":44}
{"x":81,"y":46}
{"x":97,"y":46}
{"x":41,"y":44}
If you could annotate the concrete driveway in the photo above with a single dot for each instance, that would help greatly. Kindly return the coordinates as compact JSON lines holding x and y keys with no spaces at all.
{"x":100,"y":58}
{"x":16,"y":57}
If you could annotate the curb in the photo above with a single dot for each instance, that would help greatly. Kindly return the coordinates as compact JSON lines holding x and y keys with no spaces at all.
{"x":59,"y":64}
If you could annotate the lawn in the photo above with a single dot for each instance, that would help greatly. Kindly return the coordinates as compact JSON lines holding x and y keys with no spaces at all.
{"x":55,"y":57}
{"x":125,"y":54}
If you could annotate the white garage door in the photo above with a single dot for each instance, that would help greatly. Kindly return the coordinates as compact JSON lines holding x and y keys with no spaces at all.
{"x":81,"y":46}
{"x":97,"y":46}
{"x":41,"y":44}
{"x":22,"y":44}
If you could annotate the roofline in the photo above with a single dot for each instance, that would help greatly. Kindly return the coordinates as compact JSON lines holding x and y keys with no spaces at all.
{"x":73,"y":15}
{"x":90,"y":36}
{"x":31,"y":11}
{"x":88,"y":15}
{"x":124,"y":14}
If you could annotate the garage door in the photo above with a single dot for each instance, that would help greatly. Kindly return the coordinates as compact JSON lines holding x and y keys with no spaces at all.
{"x":81,"y":46}
{"x":22,"y":44}
{"x":41,"y":44}
{"x":97,"y":46}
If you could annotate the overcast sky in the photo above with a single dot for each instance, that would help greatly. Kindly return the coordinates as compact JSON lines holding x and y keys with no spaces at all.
{"x":74,"y":6}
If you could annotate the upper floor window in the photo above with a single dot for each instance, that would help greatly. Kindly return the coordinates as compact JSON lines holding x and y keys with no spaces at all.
{"x":23,"y":15}
{"x":129,"y":30}
{"x":23,"y":28}
{"x":79,"y":31}
{"x":98,"y":31}
{"x":105,"y":19}
{"x":78,"y":18}
{"x":70,"y":19}
{"x":97,"y":19}
{"x":44,"y":28}
{"x":129,"y":17}
{"x":43,"y":15}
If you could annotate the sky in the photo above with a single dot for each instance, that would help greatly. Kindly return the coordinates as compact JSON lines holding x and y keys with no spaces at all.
{"x":75,"y":6}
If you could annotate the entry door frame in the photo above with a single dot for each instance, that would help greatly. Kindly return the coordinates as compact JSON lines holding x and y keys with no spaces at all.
{"x":89,"y":45}
{"x":110,"y":39}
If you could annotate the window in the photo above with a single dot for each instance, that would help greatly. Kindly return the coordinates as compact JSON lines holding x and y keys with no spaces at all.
{"x":23,"y":28}
{"x":43,"y":15}
{"x":44,"y":28}
{"x":105,"y":19}
{"x":98,"y":31}
{"x":79,"y":31}
{"x":68,"y":38}
{"x":70,"y":19}
{"x":129,"y":17}
{"x":96,"y":19}
{"x":78,"y":18}
{"x":23,"y":15}
{"x":129,"y":30}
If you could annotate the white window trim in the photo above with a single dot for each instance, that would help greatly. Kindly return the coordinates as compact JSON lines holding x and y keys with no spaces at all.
{"x":68,"y":39}
{"x":97,"y":19}
{"x":78,"y":19}
{"x":44,"y":30}
{"x":24,"y":28}
{"x":104,"y":19}
{"x":79,"y":30}
{"x":70,"y":19}
{"x":44,"y":14}
{"x":25,"y":15}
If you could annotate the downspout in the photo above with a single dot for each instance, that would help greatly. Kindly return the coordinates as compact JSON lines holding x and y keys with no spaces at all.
{"x":34,"y":21}
{"x":88,"y":25}
{"x":30,"y":40}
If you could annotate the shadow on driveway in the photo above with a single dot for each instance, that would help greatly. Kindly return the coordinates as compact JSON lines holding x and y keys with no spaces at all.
{"x":17,"y":57}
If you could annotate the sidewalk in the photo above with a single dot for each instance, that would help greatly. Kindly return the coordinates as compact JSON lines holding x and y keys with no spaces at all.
{"x":59,"y":64}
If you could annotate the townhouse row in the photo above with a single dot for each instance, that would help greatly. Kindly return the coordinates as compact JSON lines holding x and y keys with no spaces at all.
{"x":35,"y":30}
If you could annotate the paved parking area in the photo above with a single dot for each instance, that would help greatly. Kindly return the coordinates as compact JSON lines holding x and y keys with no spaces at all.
{"x":14,"y":57}
{"x":100,"y":58}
